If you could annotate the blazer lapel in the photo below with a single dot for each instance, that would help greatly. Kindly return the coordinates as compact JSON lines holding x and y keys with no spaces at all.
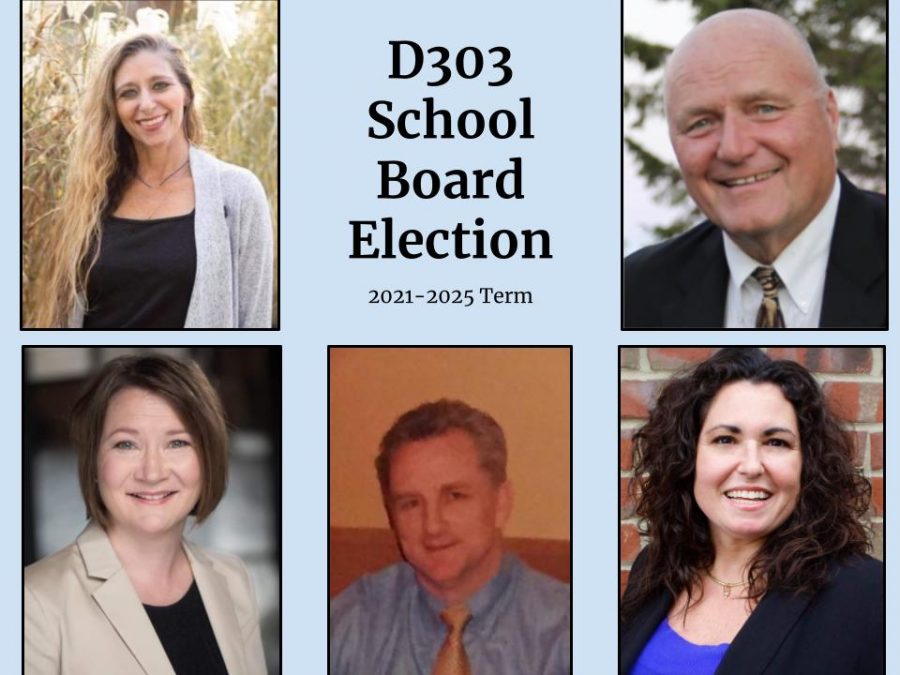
{"x":702,"y":283}
{"x":755,"y":645}
{"x":856,"y":266}
{"x":120,"y":603}
{"x":638,"y":632}
{"x":752,"y":649}
{"x":214,"y":591}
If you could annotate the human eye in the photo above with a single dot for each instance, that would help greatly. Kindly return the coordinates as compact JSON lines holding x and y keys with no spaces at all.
{"x":724,"y":439}
{"x":179,"y":443}
{"x":124,"y":445}
{"x":766,"y":110}
{"x":457,"y":495}
{"x":779,"y":443}
{"x":127,"y":93}
{"x":407,"y":504}
{"x":161,"y":86}
{"x":698,"y":126}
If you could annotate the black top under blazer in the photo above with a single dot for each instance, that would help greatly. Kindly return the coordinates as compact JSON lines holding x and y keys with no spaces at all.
{"x":838,"y":631}
{"x":682,"y":282}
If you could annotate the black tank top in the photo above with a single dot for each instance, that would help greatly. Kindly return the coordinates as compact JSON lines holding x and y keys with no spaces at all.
{"x":187,"y":636}
{"x":144,"y":275}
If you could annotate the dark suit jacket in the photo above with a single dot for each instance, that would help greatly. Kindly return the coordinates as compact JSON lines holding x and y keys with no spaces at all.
{"x":839,"y":631}
{"x":682,"y":283}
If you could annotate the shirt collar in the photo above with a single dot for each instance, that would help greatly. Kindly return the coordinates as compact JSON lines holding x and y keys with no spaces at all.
{"x":486,"y":598}
{"x":801,"y":265}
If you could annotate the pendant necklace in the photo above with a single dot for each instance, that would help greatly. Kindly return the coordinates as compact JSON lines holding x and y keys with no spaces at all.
{"x":165,"y":193}
{"x":726,"y":585}
{"x":163,"y":181}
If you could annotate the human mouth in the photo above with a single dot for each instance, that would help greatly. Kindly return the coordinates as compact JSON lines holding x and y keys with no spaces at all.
{"x":152,"y":497}
{"x":745,"y":496}
{"x":436,"y":548}
{"x":749,"y":180}
{"x":152,"y":123}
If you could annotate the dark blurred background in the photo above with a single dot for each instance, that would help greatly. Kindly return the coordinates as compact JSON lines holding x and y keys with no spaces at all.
{"x":247,"y":521}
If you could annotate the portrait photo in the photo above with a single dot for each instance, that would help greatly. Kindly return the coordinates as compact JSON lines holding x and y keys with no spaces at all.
{"x":150,"y":165}
{"x":151,"y":521}
{"x":751,"y":524}
{"x":754,"y":165}
{"x":449,"y":509}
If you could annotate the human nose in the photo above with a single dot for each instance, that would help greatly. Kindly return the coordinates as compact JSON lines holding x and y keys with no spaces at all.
{"x":736,"y":142}
{"x":146,"y":100}
{"x":434,"y":519}
{"x":751,"y":459}
{"x":152,"y":467}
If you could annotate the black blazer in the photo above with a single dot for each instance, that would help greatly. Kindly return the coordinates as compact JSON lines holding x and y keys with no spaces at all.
{"x":682,"y":283}
{"x":838,"y":631}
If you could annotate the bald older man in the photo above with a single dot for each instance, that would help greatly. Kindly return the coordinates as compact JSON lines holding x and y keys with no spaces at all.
{"x":789,"y":241}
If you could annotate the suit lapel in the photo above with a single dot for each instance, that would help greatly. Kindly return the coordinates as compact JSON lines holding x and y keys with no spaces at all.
{"x":641,"y":628}
{"x":120,"y":603}
{"x":756,"y":644}
{"x":702,"y":283}
{"x":216,"y":599}
{"x":856,"y":265}
{"x":122,"y":607}
{"x":752,"y":649}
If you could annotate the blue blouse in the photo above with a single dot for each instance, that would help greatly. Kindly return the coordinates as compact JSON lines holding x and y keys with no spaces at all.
{"x":667,"y":653}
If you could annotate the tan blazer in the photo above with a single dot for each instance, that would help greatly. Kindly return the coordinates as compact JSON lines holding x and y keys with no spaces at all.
{"x":82,"y":615}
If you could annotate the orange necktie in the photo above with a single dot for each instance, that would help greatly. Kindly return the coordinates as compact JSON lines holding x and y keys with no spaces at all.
{"x":452,"y":659}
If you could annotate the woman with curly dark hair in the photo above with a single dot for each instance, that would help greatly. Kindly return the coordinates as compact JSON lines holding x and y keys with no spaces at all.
{"x":746,"y":487}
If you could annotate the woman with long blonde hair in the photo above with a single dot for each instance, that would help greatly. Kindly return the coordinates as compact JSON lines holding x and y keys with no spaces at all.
{"x":152,"y":231}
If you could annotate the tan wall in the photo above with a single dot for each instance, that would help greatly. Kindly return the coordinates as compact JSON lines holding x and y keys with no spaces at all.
{"x":525,"y":389}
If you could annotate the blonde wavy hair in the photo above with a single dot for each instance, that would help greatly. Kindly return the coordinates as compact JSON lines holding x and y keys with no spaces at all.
{"x":102,"y":162}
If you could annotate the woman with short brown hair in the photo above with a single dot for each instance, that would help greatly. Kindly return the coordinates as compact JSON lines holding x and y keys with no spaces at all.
{"x":131,"y":595}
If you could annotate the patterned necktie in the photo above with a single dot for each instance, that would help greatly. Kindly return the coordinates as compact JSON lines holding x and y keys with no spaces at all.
{"x":769,"y":314}
{"x":452,"y":659}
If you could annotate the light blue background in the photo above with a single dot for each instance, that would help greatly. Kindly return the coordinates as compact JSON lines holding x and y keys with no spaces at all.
{"x":334,"y":62}
{"x":565,"y":55}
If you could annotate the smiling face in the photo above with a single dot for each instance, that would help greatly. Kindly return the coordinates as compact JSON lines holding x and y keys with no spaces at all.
{"x":747,"y":478}
{"x":754,"y":128}
{"x":150,"y":100}
{"x":447,"y":514}
{"x":149,"y":473}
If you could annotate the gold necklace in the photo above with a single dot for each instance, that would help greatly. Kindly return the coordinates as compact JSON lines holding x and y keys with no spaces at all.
{"x":726,"y":585}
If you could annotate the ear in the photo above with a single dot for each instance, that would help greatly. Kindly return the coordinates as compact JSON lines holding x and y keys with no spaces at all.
{"x":831,"y":109}
{"x":504,"y":504}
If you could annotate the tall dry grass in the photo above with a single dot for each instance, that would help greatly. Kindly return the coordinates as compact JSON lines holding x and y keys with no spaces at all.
{"x":238,"y":89}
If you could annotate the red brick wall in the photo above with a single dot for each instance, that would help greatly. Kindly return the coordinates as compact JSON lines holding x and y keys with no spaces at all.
{"x":853,"y":379}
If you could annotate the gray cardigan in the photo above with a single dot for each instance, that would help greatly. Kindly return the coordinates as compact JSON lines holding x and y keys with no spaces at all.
{"x":233,"y":231}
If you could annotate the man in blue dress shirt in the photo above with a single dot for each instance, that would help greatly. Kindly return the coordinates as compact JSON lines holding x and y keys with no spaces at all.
{"x":458,"y":605}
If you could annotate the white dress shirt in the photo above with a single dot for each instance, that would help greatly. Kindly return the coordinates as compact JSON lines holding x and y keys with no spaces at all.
{"x":801,"y":267}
